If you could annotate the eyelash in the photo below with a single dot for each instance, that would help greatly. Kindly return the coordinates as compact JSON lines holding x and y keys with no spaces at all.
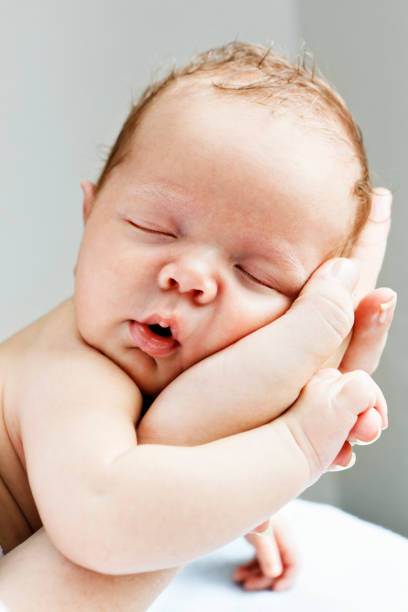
{"x":247,"y":274}
{"x":253,"y":278}
{"x":150,"y":231}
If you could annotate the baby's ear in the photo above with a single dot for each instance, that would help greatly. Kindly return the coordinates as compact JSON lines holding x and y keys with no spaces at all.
{"x":89,"y":190}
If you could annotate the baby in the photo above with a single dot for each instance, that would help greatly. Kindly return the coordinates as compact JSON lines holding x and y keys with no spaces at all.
{"x":230,"y":184}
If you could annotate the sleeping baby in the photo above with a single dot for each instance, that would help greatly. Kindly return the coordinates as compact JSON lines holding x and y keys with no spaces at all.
{"x":146,"y":416}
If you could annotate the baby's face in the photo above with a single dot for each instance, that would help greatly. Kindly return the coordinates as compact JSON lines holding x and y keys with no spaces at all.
{"x":212,"y":224}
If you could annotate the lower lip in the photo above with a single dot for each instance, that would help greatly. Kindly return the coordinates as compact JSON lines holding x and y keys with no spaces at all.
{"x":151,"y":343}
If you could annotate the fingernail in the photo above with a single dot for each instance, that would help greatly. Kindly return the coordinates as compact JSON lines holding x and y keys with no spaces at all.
{"x":345,"y":271}
{"x":385,"y":310}
{"x":339,"y":468}
{"x":267,"y":531}
{"x":354,"y":441}
{"x":380,"y":204}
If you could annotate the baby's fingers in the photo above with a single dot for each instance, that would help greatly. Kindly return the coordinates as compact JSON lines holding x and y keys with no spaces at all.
{"x":269,"y":557}
{"x":345,"y":459}
{"x":290,"y":556}
{"x":367,"y":429}
{"x":244,"y":571}
{"x":258,"y":582}
{"x":358,"y":392}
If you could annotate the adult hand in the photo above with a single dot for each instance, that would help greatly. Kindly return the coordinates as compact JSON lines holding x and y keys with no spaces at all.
{"x":251,"y":382}
{"x":363,"y":347}
{"x":375,"y":308}
{"x":374,"y":312}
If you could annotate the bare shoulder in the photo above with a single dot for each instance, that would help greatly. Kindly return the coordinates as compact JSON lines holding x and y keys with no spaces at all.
{"x":54,"y":371}
{"x":84,"y":372}
{"x":85,"y":376}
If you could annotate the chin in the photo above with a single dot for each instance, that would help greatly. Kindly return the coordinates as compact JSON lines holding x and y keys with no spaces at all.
{"x":143,"y":370}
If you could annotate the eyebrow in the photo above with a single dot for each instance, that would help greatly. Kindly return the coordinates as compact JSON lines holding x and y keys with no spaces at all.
{"x":163,"y":191}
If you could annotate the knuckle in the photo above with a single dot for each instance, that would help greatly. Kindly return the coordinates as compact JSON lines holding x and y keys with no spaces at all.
{"x":359,"y":375}
{"x":358,"y":390}
{"x":318,"y":384}
{"x":328,"y":373}
{"x":337,"y":319}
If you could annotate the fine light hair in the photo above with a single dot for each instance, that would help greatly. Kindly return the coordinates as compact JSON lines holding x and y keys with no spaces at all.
{"x":257,"y":73}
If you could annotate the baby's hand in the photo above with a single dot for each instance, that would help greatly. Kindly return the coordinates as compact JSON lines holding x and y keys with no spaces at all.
{"x":333,"y":410}
{"x":276,"y":562}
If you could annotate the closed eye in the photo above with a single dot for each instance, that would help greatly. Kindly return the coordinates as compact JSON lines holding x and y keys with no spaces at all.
{"x":149,"y":230}
{"x":253,"y":278}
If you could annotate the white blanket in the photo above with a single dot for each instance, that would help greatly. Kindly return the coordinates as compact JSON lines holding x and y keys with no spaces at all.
{"x":348,"y":565}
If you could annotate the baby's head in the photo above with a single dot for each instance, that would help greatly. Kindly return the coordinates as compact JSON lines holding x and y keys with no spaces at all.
{"x":231,"y":181}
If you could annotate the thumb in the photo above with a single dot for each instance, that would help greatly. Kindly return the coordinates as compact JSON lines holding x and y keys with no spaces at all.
{"x":323,"y":314}
{"x":315,"y":325}
{"x":329,"y":291}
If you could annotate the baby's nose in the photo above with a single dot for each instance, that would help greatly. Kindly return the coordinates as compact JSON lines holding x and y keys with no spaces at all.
{"x":193,"y":277}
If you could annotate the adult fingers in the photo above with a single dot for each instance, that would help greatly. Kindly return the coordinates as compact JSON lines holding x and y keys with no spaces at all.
{"x":310,"y":331}
{"x":372,"y":321}
{"x":369,"y":249}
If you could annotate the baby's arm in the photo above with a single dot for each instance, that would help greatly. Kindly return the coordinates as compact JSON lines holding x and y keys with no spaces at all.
{"x":254,"y":380}
{"x":118,"y":508}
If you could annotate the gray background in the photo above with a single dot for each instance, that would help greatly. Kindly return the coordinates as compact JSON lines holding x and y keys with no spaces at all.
{"x":68,"y":72}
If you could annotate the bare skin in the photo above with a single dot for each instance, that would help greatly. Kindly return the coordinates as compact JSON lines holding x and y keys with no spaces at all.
{"x":85,"y":588}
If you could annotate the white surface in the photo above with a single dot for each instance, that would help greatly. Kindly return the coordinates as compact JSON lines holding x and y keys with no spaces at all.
{"x":348,"y":564}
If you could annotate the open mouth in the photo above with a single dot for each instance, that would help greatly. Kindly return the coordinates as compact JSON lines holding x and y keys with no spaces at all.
{"x":155,"y":340}
{"x":164,"y":332}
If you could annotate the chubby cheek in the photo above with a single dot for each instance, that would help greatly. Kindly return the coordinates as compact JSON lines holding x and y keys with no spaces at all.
{"x":89,"y":316}
{"x":96,"y":290}
{"x":110,"y":284}
{"x":242,"y":316}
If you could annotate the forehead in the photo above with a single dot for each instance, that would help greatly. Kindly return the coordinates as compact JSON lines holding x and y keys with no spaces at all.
{"x":252,"y":164}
